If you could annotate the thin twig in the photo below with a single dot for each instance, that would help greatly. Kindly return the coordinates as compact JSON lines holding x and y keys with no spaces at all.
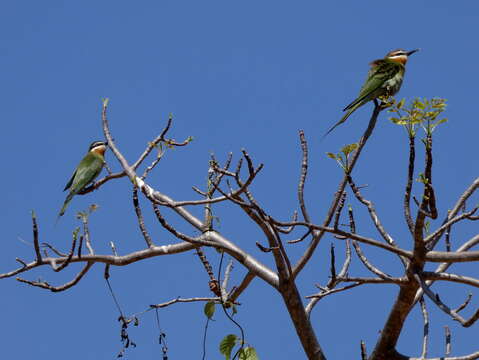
{"x":462,"y":199}
{"x":425,"y":317}
{"x":349,"y":235}
{"x":433,"y":238}
{"x":141,"y":220}
{"x":301,"y":238}
{"x":332,"y":266}
{"x":185,"y":300}
{"x":367,"y":263}
{"x":224,"y":285}
{"x":86,"y":233}
{"x":70,"y":255}
{"x":448,"y":340}
{"x":195,"y":241}
{"x":444,"y":266}
{"x":447,"y":239}
{"x":464,"y":304}
{"x":364,"y":353}
{"x":339,"y":209}
{"x":36,"y":245}
{"x":410,"y":175}
{"x":45,"y":285}
{"x":289,"y":228}
{"x":242,"y":287}
{"x":24,"y":264}
{"x":347,"y":261}
{"x":52,"y":248}
{"x":303,"y":176}
{"x":374,"y":217}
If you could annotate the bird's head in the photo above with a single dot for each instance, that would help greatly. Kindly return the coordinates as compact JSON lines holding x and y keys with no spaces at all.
{"x":400,"y":55}
{"x":98,"y":147}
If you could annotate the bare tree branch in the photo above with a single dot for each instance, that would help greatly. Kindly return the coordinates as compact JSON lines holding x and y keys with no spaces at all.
{"x":426,"y":275}
{"x":242,"y":287}
{"x":367,"y":263}
{"x":47,"y":286}
{"x":319,"y":234}
{"x":185,"y":300}
{"x":372,"y":212}
{"x":447,"y":336}
{"x":141,"y":221}
{"x":425,"y":317}
{"x":304,"y":174}
{"x":345,"y":234}
{"x":463,"y":198}
{"x":464,"y":304}
{"x":412,"y":284}
{"x":36,"y":245}
{"x":339,"y":209}
{"x":435,"y":298}
{"x":434,"y":237}
{"x":444,"y":266}
{"x":364,"y":354}
{"x":407,"y":192}
{"x":452,"y":257}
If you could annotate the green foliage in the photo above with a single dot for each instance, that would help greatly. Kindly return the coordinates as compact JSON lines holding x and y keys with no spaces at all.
{"x":75,"y":233}
{"x":248,"y":353}
{"x":420,"y":112}
{"x":387,"y":101}
{"x":343,"y":156}
{"x":422,"y":178}
{"x":427,"y":227}
{"x":243,"y":353}
{"x":227,"y":345}
{"x":209,"y":309}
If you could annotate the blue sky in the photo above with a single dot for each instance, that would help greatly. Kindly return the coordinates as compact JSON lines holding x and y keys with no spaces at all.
{"x":234,"y":75}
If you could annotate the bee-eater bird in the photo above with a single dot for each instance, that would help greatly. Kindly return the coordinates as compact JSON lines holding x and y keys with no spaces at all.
{"x":87,"y":171}
{"x":384,"y":79}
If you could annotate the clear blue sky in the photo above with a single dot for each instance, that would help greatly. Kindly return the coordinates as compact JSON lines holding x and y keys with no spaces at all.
{"x":234,"y":74}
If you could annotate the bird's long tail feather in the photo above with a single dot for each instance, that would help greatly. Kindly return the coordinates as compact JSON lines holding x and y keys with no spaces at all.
{"x":343,"y":119}
{"x":65,"y":204}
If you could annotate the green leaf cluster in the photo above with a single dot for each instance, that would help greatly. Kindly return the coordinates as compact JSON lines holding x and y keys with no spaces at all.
{"x":422,"y":113}
{"x":248,"y":353}
{"x":230,"y":341}
{"x":244,"y":353}
{"x":227,"y":345}
{"x":343,"y":156}
{"x":209,"y":309}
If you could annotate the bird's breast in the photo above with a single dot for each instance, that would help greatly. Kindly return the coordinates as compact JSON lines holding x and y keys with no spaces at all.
{"x":394,"y":83}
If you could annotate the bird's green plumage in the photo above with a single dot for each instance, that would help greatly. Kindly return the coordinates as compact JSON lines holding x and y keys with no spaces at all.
{"x":384,"y":79}
{"x":86,"y":172}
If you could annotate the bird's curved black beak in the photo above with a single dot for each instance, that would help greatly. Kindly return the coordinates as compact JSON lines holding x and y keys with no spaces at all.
{"x":412,"y":52}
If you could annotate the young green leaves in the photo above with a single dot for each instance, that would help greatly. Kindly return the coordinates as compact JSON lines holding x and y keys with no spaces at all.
{"x":343,"y":157}
{"x":420,"y":112}
{"x":245,"y":353}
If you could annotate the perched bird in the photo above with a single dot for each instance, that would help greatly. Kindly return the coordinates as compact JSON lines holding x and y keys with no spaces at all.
{"x":87,"y":171}
{"x":384,"y":79}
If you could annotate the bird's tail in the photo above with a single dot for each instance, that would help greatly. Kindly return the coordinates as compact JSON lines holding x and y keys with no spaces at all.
{"x":65,"y":204}
{"x":343,"y":119}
